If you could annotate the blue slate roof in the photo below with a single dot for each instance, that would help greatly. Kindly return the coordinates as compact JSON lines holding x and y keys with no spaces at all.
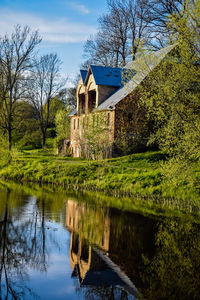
{"x":142,"y":66}
{"x":83,"y":74}
{"x":107,"y":75}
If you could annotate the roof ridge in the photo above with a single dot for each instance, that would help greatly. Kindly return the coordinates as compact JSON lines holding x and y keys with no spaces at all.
{"x":145,"y":66}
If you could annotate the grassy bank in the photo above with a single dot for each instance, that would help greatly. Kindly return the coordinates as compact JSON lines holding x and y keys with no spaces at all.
{"x":56,"y":198}
{"x":136,"y":174}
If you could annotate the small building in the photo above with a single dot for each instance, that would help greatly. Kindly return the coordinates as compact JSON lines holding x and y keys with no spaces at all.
{"x":108,"y":119}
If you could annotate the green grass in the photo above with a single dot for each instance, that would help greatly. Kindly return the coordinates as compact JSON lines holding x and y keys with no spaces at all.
{"x":136,"y":174}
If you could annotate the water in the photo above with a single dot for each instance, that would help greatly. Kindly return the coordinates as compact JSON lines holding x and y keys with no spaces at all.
{"x":60,"y":246}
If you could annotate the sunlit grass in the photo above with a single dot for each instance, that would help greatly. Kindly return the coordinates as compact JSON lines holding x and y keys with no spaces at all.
{"x":136,"y":174}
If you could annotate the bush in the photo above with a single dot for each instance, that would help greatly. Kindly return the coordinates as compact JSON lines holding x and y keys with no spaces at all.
{"x":4,"y":152}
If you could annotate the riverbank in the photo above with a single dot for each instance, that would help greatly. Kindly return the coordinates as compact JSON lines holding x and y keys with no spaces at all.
{"x":136,"y":174}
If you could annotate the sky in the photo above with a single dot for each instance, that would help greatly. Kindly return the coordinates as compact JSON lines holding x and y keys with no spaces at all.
{"x":64,"y":26}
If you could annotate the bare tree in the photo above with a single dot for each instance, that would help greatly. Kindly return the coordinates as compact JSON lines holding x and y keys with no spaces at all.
{"x":135,"y":13}
{"x":158,"y":19}
{"x":44,"y":84}
{"x":121,"y":31}
{"x":127,"y":25}
{"x":16,"y":54}
{"x":115,"y":27}
{"x":99,"y":51}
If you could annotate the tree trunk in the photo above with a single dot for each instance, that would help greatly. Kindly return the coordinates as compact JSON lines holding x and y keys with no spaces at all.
{"x":9,"y":137}
{"x":43,"y":139}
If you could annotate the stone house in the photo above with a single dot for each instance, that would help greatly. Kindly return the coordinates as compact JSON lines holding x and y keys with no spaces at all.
{"x":111,"y":95}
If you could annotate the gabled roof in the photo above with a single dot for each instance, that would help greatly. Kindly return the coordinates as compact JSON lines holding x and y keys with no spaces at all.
{"x":109,"y":274}
{"x":107,"y":76}
{"x":142,"y":67}
{"x":83,"y":75}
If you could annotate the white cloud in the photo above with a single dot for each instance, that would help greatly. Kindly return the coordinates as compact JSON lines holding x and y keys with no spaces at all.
{"x":80,"y":7}
{"x":53,"y":31}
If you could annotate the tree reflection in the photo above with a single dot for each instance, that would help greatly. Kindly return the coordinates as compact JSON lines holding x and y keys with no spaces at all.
{"x":160,"y":256}
{"x":174,"y":272}
{"x":22,"y":246}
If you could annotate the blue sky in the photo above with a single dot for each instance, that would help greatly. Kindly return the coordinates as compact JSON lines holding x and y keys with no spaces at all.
{"x":63,"y":24}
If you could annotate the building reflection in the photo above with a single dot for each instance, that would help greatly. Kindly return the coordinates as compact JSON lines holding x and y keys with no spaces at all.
{"x":89,"y":250}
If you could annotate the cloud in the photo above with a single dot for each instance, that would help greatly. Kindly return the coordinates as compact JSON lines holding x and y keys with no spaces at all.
{"x":53,"y":31}
{"x":80,"y":7}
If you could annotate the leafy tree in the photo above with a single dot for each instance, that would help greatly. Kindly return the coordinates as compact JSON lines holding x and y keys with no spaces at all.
{"x":62,"y":123}
{"x":172,"y":94}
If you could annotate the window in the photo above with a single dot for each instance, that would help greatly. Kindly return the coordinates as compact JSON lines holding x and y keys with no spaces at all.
{"x":91,"y":100}
{"x":108,"y":120}
{"x":83,"y":122}
{"x":78,"y":124}
{"x":74,"y":123}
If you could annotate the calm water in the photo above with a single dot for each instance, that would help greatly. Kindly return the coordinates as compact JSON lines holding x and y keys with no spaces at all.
{"x":58,"y":246}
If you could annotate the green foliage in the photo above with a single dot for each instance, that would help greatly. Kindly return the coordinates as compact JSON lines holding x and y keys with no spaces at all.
{"x":95,"y":141}
{"x":31,"y":140}
{"x":175,"y":265}
{"x":4,"y":153}
{"x":56,"y":105}
{"x":171,"y":95}
{"x":137,"y":174}
{"x":62,"y":123}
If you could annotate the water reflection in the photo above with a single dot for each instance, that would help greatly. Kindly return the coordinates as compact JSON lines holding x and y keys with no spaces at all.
{"x":117,"y":249}
{"x":61,"y":247}
{"x":22,"y":245}
{"x":174,"y":271}
{"x":161,"y":257}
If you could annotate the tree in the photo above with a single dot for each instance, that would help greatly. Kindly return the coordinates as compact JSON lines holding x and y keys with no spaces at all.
{"x":127,"y":24}
{"x":158,"y":18}
{"x":16,"y":54}
{"x":136,"y":15}
{"x":44,"y":84}
{"x":26,"y":133}
{"x":171,"y":95}
{"x":121,"y":30}
{"x":62,"y":122}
